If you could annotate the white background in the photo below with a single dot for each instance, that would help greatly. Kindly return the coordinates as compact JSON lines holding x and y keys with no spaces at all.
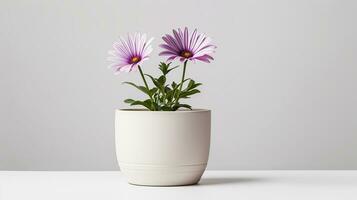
{"x":282,"y":87}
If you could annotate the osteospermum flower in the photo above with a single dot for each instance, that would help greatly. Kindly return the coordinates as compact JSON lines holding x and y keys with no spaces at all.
{"x":129,"y":53}
{"x":186,"y":46}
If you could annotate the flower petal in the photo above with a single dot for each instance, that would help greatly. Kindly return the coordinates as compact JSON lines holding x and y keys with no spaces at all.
{"x":167,"y":47}
{"x":124,"y":49}
{"x":205,"y":58}
{"x":178,"y":38}
{"x":198,"y":45}
{"x":171,"y":42}
{"x":185,"y":39}
{"x":166,"y":53}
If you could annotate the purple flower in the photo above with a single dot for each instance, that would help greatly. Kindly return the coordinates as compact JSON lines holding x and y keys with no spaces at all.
{"x":187,"y":46}
{"x":128,"y":54}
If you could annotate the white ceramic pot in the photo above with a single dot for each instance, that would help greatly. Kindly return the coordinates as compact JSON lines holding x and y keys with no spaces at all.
{"x":162,"y":148}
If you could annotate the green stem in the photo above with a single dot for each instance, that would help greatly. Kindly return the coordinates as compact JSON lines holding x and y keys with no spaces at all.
{"x":142,"y":76}
{"x":182,"y":80}
{"x":146,"y":84}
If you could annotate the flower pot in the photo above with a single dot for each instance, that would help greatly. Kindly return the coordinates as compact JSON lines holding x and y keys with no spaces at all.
{"x":162,"y":148}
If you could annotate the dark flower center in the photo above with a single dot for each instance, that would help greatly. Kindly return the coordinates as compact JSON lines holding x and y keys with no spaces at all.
{"x":186,"y":54}
{"x":135,"y":59}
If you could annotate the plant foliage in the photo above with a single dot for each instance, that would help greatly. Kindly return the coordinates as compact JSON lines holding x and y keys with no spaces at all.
{"x":164,"y":96}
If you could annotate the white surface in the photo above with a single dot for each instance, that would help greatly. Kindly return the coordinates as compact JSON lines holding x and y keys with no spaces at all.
{"x":173,"y":153}
{"x":282,"y":87}
{"x":225,"y":185}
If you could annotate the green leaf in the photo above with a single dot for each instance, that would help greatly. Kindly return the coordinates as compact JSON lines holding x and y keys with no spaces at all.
{"x":147,"y":103}
{"x":191,"y":85}
{"x":196,"y":85}
{"x":186,"y":94}
{"x":166,"y":108}
{"x":173,"y":85}
{"x":184,"y":81}
{"x":169,"y":70}
{"x":167,"y":88}
{"x":130,"y":101}
{"x":156,"y":106}
{"x":162,"y":80}
{"x":177,"y":106}
{"x":141,"y":88}
{"x":153,"y":91}
{"x":154,"y":80}
{"x":169,"y":93}
{"x":164,"y":67}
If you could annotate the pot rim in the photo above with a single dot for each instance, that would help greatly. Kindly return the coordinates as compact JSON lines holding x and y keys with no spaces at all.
{"x":196,"y":110}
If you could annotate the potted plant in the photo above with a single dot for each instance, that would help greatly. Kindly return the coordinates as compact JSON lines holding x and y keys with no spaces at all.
{"x":167,"y":142}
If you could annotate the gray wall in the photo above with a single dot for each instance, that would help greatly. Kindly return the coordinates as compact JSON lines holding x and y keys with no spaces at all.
{"x":282,"y":88}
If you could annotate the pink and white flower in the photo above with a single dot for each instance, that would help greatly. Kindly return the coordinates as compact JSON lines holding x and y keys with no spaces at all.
{"x":127,"y":54}
{"x":186,"y":46}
